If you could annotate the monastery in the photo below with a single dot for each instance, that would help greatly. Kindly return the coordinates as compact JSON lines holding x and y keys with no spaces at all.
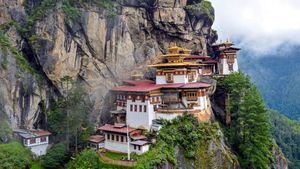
{"x":176,"y":91}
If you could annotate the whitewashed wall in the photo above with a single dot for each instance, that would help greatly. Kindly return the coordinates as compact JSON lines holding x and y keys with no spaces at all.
{"x":140,"y":119}
{"x":116,"y":146}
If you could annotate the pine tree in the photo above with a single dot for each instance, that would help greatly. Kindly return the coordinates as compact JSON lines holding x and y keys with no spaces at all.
{"x":249,"y":131}
{"x":254,"y":131}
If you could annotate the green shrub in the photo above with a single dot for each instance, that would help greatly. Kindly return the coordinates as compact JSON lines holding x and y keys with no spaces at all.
{"x":56,"y":157}
{"x":86,"y":159}
{"x":14,"y":155}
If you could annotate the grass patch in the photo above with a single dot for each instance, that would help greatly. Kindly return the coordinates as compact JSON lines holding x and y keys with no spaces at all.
{"x":36,"y":164}
{"x":110,"y":166}
{"x":115,"y":156}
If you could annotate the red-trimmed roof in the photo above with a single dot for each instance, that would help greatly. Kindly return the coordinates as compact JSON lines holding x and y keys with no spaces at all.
{"x":138,"y":88}
{"x":146,"y":86}
{"x":41,"y":132}
{"x":112,"y":128}
{"x":96,"y":138}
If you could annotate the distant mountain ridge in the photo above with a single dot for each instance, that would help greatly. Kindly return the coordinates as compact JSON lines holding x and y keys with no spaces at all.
{"x":278,"y":78}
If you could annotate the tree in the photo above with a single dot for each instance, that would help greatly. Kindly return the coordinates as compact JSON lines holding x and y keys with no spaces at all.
{"x":254,"y":131}
{"x":249,"y":131}
{"x":88,"y":159}
{"x":70,"y":117}
{"x":287,"y":135}
{"x":14,"y":155}
{"x":55,"y":157}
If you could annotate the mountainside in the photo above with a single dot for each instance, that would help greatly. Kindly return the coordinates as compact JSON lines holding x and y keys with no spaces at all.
{"x":287,"y":135}
{"x":278,"y":78}
{"x":96,"y":42}
{"x":46,"y":44}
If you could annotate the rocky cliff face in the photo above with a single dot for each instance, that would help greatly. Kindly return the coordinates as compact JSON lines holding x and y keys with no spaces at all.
{"x":96,"y":48}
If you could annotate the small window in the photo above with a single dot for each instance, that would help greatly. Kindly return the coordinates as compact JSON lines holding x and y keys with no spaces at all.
{"x":145,"y":108}
{"x":112,"y":137}
{"x":122,"y":139}
{"x":131,"y":107}
{"x":117,"y":138}
{"x":141,"y":108}
{"x":155,"y":107}
{"x":32,"y":141}
{"x":108,"y":136}
{"x":43,"y":139}
{"x":169,"y":77}
{"x":135,"y":108}
{"x":230,"y":67}
{"x":134,"y":146}
{"x":139,"y":147}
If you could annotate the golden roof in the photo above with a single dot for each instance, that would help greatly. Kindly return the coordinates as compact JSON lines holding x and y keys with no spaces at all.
{"x":175,"y":57}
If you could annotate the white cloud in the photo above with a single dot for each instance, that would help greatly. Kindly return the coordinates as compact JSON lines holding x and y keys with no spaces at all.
{"x":261,"y":26}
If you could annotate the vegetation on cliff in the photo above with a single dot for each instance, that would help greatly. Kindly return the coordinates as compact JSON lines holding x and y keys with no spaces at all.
{"x":56,"y":157}
{"x":14,"y":155}
{"x":192,"y":138}
{"x":287,"y":135}
{"x":278,"y":79}
{"x":249,"y":132}
{"x":70,"y":117}
{"x":86,"y":159}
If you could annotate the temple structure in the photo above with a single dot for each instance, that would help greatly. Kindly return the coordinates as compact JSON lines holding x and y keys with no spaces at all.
{"x":178,"y":89}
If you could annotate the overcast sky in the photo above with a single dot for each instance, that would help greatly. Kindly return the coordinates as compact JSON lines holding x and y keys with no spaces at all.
{"x":261,"y":26}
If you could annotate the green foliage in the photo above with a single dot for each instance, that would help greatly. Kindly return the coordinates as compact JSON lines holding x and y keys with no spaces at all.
{"x":6,"y":45}
{"x":70,"y":10}
{"x":249,"y":131}
{"x":14,"y":155}
{"x":287,"y":135}
{"x":35,"y":164}
{"x":278,"y":79}
{"x":184,"y":132}
{"x":86,"y":159}
{"x":115,"y":156}
{"x":5,"y":130}
{"x":198,"y":8}
{"x":70,"y":117}
{"x":56,"y":157}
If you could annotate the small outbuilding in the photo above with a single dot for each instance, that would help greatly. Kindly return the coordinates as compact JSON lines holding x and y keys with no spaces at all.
{"x":96,"y":142}
{"x":36,"y":140}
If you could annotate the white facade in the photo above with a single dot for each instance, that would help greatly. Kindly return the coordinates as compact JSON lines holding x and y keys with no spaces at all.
{"x":139,"y":118}
{"x":224,"y":67}
{"x":96,"y":145}
{"x":116,"y":146}
{"x":139,"y":149}
{"x":38,"y":148}
{"x":235,"y":65}
{"x":176,"y":79}
{"x":202,"y":102}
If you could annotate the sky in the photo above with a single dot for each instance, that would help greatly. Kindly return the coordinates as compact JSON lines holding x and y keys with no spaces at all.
{"x":259,"y":26}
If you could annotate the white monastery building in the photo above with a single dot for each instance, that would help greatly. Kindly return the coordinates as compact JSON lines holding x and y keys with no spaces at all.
{"x":177,"y":90}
